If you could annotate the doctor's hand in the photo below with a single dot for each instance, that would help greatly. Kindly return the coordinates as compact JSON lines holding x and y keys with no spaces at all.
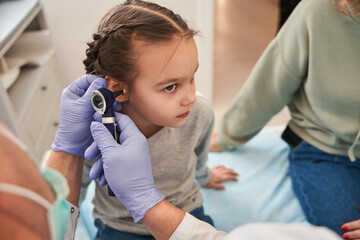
{"x":351,"y":229}
{"x":76,"y":115}
{"x":126,"y":166}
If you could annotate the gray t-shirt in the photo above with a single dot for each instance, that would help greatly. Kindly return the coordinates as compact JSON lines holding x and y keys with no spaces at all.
{"x":178,"y":157}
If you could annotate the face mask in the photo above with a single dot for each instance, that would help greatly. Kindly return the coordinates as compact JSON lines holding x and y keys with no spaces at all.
{"x":58,"y":212}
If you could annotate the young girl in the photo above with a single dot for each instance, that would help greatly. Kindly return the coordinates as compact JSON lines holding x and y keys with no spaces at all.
{"x":149,"y":52}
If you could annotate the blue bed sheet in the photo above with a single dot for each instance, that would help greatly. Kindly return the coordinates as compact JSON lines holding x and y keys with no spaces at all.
{"x":262,"y":193}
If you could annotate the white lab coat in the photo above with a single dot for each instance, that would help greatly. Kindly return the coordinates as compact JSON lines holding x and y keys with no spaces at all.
{"x":193,"y":229}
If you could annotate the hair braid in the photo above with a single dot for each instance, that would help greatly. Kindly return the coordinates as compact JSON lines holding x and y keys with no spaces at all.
{"x":92,"y":61}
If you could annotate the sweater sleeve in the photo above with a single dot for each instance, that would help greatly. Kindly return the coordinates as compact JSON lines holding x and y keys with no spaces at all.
{"x":270,"y":86}
{"x":203,"y":173}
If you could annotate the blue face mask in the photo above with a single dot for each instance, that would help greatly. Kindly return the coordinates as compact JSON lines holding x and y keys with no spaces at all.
{"x":58,"y":213}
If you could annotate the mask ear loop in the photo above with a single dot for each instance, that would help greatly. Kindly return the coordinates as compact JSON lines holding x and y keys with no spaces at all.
{"x":26,"y":193}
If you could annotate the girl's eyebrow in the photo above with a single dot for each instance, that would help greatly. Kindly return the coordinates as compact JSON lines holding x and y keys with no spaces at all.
{"x":168,"y":81}
{"x":174,"y":80}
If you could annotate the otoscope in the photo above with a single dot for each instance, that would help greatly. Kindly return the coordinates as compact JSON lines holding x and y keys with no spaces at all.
{"x":102,"y":101}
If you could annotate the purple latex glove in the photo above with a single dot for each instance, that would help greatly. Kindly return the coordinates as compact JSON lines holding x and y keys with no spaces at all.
{"x":76,"y":115}
{"x":126,"y":166}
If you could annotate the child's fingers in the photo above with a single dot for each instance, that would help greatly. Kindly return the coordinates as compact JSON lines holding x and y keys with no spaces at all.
{"x":231,"y":177}
{"x":232,"y":172}
{"x":227,"y":177}
{"x":217,"y":186}
{"x":228,"y":171}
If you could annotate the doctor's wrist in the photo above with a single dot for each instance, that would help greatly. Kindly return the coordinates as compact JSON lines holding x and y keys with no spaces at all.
{"x":139,"y":205}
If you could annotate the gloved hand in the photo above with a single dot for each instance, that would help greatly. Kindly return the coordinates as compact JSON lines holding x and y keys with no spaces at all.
{"x":76,"y":115}
{"x":126,"y":166}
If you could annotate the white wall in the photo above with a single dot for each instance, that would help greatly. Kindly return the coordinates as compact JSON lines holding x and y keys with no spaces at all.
{"x":73,"y":22}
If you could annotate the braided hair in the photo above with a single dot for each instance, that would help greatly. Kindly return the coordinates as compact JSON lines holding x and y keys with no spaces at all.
{"x":111,"y":51}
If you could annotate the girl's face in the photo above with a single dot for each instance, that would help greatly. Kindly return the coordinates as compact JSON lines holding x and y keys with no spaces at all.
{"x":164,"y":91}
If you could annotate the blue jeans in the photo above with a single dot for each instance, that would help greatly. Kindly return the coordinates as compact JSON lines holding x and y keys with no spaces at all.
{"x":106,"y":232}
{"x":327,"y":186}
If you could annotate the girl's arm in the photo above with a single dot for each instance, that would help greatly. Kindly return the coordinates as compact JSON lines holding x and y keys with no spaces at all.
{"x":210,"y":178}
{"x":207,"y":119}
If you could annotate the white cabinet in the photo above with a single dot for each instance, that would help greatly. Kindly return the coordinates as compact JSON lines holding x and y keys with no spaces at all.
{"x":30,"y":82}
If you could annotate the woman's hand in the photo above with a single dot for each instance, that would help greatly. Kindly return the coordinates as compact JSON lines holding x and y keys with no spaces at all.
{"x":352,"y":230}
{"x":220,"y":174}
{"x":213,"y":145}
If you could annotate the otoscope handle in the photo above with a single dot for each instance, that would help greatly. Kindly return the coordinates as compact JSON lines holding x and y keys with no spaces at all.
{"x":115,"y":131}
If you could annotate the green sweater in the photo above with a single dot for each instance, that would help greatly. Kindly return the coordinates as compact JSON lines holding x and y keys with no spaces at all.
{"x":313,"y":67}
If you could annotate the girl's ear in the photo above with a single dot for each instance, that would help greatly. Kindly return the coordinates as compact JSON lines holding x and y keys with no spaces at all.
{"x":116,"y":85}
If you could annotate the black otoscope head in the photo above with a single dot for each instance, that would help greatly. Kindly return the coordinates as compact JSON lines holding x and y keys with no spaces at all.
{"x":103,"y":99}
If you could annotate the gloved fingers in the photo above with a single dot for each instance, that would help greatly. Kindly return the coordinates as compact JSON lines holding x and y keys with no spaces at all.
{"x":80,"y":85}
{"x":96,"y":84}
{"x":92,"y":151}
{"x":122,"y":120}
{"x":96,"y":169}
{"x":127,"y":127}
{"x":102,"y":180}
{"x":101,"y":135}
{"x":117,"y":106}
{"x":97,"y":117}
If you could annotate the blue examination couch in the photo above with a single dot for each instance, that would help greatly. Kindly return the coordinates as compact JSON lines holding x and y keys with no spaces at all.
{"x":263,"y":192}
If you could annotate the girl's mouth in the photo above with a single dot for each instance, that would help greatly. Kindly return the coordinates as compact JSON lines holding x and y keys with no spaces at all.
{"x":184,"y":115}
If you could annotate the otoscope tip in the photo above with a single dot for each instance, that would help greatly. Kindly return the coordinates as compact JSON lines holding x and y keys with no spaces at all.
{"x":118,"y":93}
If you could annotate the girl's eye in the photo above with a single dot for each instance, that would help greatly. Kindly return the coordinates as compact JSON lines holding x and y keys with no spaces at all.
{"x":170,"y":88}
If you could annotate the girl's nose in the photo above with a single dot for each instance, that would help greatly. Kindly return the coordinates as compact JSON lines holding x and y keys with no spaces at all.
{"x":190,"y":96}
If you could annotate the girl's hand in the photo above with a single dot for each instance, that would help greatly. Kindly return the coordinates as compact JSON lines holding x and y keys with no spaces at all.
{"x":213,"y":145}
{"x":220,"y":174}
{"x":352,"y":230}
